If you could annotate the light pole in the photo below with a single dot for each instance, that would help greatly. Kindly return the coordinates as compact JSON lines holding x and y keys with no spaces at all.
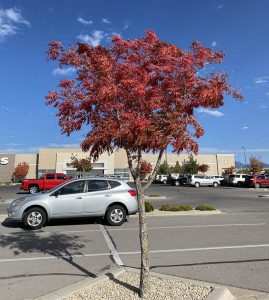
{"x":245,"y":156}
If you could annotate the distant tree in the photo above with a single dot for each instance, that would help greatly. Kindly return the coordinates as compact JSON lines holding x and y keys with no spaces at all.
{"x":243,"y":171}
{"x":229,"y":170}
{"x":146,"y":169}
{"x":177,"y":168}
{"x":255,"y":165}
{"x":164,"y":168}
{"x":21,"y":171}
{"x":191,"y":165}
{"x":203,"y":168}
{"x":83,"y":165}
{"x":266,"y":171}
{"x":139,"y":95}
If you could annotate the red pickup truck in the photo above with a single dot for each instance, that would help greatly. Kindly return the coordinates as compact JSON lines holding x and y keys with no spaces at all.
{"x":45,"y":182}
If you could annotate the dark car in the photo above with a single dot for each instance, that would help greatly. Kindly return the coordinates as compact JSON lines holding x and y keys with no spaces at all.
{"x":180,"y":180}
{"x":258,"y":181}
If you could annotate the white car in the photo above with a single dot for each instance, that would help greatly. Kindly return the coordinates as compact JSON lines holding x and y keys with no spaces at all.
{"x":202,"y":180}
{"x":161,"y":178}
{"x":237,"y":179}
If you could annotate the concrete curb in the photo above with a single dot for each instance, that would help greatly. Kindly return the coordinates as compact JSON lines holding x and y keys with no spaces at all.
{"x":159,"y":213}
{"x":80,"y":285}
{"x":3,"y":217}
{"x":156,"y":198}
{"x":217,"y":293}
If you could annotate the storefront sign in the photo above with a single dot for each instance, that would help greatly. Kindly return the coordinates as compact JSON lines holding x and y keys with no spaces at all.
{"x":3,"y":160}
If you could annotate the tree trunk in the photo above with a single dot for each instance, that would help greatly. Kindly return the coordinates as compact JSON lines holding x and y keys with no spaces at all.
{"x":144,"y":246}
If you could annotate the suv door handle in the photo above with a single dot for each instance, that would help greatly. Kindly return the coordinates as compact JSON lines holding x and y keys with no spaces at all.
{"x":108,"y":195}
{"x":79,"y":198}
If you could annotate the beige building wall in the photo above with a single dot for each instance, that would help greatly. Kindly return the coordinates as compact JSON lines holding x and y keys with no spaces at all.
{"x":62,"y":159}
{"x":217,"y":162}
{"x":31,"y":159}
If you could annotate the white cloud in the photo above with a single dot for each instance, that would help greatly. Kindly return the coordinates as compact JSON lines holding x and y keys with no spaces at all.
{"x":220,"y":6}
{"x":267,"y":94}
{"x":213,"y":150}
{"x":262,"y":79}
{"x":214,"y":113}
{"x":9,"y":19}
{"x":214,"y":44}
{"x":63,"y":72}
{"x":94,"y":39}
{"x":106,"y":21}
{"x":84,"y":22}
{"x":245,"y":127}
{"x":262,"y":106}
{"x":54,"y":145}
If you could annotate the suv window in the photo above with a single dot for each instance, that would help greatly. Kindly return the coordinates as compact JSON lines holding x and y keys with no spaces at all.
{"x":50,"y":176}
{"x":244,"y":176}
{"x":97,"y":185}
{"x":61,"y":177}
{"x":72,"y":188}
{"x":113,"y":183}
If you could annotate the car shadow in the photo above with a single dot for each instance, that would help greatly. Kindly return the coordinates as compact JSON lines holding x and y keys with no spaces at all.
{"x":58,"y":245}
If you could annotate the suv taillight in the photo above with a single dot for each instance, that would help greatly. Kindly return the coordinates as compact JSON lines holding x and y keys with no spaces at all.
{"x":132,"y":193}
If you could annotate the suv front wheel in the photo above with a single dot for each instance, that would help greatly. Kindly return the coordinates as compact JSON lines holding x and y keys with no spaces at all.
{"x":34,"y":218}
{"x":215,"y":184}
{"x":197,"y":184}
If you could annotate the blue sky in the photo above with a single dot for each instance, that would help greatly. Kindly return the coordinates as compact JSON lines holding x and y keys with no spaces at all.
{"x":240,"y":28}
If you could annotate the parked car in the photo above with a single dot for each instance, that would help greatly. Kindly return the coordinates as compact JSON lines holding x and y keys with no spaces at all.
{"x":161,"y":178}
{"x":218,"y":177}
{"x":257,"y":181}
{"x":237,"y":179}
{"x":202,"y":180}
{"x":85,"y":197}
{"x":180,"y":180}
{"x":45,"y":182}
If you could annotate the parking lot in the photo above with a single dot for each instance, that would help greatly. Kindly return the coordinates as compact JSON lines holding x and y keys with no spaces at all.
{"x":230,"y":248}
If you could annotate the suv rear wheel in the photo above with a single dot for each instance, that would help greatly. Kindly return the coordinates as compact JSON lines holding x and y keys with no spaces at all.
{"x":197,"y":184}
{"x":176,"y":183}
{"x":257,"y":185}
{"x":215,"y":184}
{"x":35,"y":218}
{"x":116,"y":215}
{"x":164,"y":181}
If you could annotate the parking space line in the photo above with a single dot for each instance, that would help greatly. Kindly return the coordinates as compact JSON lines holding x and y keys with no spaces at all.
{"x":116,"y":254}
{"x":198,"y":249}
{"x":188,"y":226}
{"x":111,"y":246}
{"x":136,"y":228}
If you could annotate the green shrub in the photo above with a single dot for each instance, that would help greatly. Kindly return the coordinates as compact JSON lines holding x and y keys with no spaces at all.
{"x":149,"y":207}
{"x":173,"y":207}
{"x":205,"y":207}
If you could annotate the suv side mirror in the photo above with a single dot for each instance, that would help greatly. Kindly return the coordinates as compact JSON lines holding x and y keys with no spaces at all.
{"x":56,"y":194}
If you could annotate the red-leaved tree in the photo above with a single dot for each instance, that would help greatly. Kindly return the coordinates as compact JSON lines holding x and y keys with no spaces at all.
{"x":21,"y":170}
{"x":203,"y":168}
{"x":146,"y":169}
{"x":139,"y":95}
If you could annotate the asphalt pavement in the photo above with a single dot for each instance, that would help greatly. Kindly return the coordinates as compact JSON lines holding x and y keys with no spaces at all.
{"x":231,"y":248}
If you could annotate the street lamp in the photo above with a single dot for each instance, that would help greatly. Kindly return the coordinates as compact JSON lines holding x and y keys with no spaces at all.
{"x":245,"y":156}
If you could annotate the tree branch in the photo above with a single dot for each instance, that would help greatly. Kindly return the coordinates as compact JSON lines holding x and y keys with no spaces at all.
{"x":147,"y":185}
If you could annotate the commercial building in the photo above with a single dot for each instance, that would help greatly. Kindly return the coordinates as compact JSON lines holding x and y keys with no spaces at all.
{"x":58,"y":159}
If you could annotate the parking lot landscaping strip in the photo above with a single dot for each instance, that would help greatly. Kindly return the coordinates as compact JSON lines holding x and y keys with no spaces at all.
{"x":123,"y":283}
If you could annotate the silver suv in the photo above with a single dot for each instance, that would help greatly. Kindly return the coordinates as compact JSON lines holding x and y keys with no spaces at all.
{"x":202,"y":180}
{"x":84,"y":197}
{"x":237,"y":179}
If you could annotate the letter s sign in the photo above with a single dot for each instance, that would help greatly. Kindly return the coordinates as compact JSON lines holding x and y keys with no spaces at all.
{"x":3,"y":160}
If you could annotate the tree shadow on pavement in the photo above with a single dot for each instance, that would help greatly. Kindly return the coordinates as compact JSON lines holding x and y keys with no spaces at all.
{"x":51,"y":245}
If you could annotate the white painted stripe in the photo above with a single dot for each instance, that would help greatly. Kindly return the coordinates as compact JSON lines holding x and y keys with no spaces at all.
{"x":136,"y":228}
{"x":53,"y":257}
{"x":188,"y":226}
{"x":111,"y":247}
{"x":199,"y":249}
{"x":131,"y":253}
